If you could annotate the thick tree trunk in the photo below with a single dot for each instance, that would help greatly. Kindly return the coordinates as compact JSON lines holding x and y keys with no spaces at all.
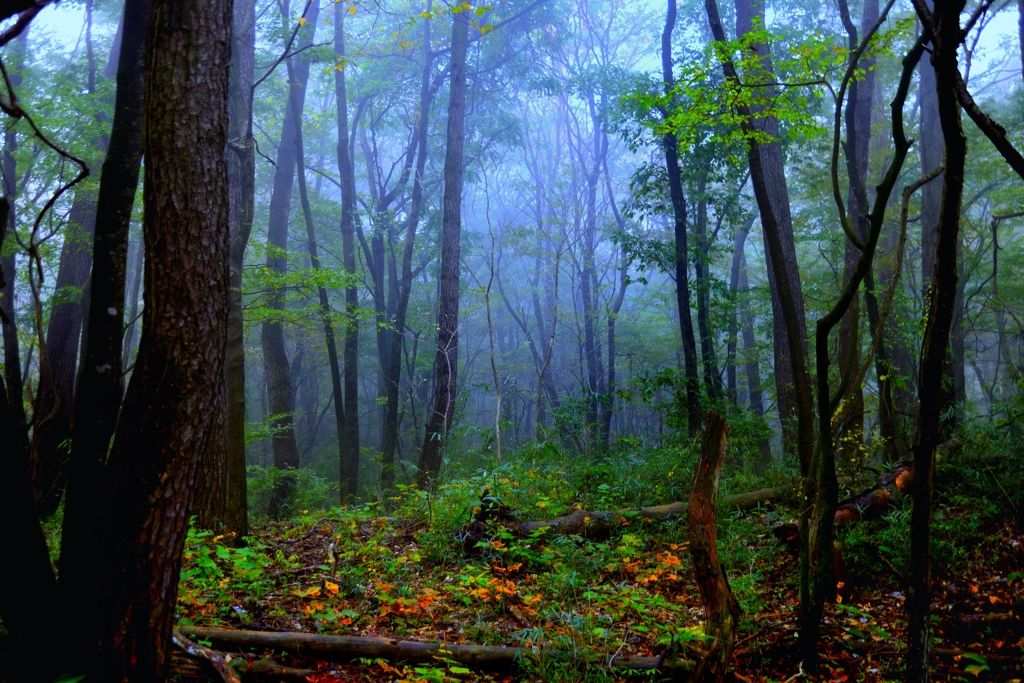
{"x":241,"y":199}
{"x":349,"y":458}
{"x":275,"y":357}
{"x":721,"y":611}
{"x":945,"y":26}
{"x":448,"y":304}
{"x":168,"y":418}
{"x":675,"y":184}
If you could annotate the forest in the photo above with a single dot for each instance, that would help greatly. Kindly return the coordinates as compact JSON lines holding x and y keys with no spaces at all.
{"x":522,"y":340}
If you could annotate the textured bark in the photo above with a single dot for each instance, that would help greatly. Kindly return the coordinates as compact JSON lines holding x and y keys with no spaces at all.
{"x":167,"y":421}
{"x":275,"y":357}
{"x":391,"y":417}
{"x":100,"y":385}
{"x":721,"y":611}
{"x":448,"y":305}
{"x":349,"y":436}
{"x":750,"y":15}
{"x":675,"y":185}
{"x":241,"y":199}
{"x":945,"y":29}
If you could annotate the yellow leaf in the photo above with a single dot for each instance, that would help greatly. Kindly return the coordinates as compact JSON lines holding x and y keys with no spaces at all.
{"x":302,"y":21}
{"x":352,"y":9}
{"x":332,"y":588}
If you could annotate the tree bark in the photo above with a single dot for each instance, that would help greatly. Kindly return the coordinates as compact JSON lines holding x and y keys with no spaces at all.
{"x":448,"y":304}
{"x":721,"y":611}
{"x":168,"y":418}
{"x":675,"y":185}
{"x":275,"y":357}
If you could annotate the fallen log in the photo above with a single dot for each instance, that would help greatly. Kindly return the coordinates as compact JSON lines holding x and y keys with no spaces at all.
{"x":874,"y":501}
{"x":592,"y":523}
{"x":345,"y":648}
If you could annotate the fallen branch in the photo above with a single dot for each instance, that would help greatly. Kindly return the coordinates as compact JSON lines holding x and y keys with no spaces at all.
{"x":216,"y":659}
{"x":589,"y":523}
{"x":341,"y":648}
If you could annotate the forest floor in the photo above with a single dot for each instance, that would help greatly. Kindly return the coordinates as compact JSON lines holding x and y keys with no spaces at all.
{"x":581,"y":601}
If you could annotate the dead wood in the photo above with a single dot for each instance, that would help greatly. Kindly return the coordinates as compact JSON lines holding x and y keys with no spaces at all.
{"x":342,"y":648}
{"x":595,"y":523}
{"x":720,"y":607}
{"x":217,"y":660}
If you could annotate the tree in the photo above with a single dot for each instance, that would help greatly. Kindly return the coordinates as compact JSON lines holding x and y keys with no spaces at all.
{"x":167,"y":418}
{"x":675,"y":185}
{"x":448,"y":305}
{"x":275,"y":356}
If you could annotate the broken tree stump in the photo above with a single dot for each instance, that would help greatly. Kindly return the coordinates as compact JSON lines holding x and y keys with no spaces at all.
{"x":720,"y":607}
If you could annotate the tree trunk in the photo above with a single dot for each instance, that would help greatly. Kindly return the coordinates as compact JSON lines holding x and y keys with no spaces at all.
{"x":393,"y":396}
{"x":242,"y":197}
{"x":14,"y":396}
{"x":325,"y":315}
{"x":750,"y":15}
{"x":349,"y":459}
{"x":275,"y":357}
{"x":101,"y":388}
{"x":168,"y":419}
{"x":946,"y":36}
{"x":741,"y":314}
{"x":721,"y":611}
{"x":448,"y":304}
{"x":767,"y":175}
{"x":675,"y":185}
{"x":28,"y":599}
{"x":702,"y":267}
{"x":58,"y":366}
